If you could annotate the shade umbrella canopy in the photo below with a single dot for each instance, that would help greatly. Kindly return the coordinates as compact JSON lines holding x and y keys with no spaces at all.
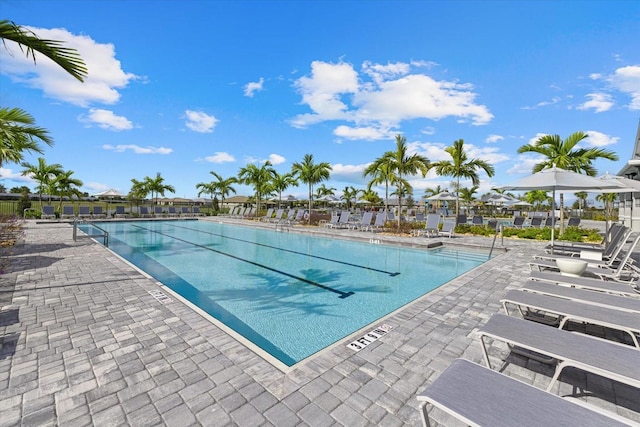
{"x":445,"y":195}
{"x":329,"y":198}
{"x":110,"y":193}
{"x":362,"y":202}
{"x":557,"y":179}
{"x":626,"y":185}
{"x":521,"y":203}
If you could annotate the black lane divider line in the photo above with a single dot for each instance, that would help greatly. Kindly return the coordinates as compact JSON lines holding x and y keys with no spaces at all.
{"x":284,"y":273}
{"x":390,"y":273}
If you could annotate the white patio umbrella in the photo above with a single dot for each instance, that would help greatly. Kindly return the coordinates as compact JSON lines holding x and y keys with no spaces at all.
{"x":556,"y":179}
{"x":110,"y":193}
{"x":445,"y":195}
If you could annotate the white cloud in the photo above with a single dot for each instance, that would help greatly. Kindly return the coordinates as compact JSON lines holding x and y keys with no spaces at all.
{"x":494,"y":138}
{"x":347,"y":173}
{"x":599,"y":139}
{"x":428,"y":130}
{"x":106,"y":119}
{"x":553,"y":100}
{"x":137,"y":149}
{"x":367,"y":133}
{"x":252,"y":87}
{"x":524,"y":164}
{"x":220,"y":157}
{"x":6,"y":173}
{"x":390,"y":96}
{"x":199,"y":121}
{"x":599,"y":102}
{"x":105,"y":74}
{"x":627,"y":80}
{"x":535,"y":139}
{"x":276,"y":159}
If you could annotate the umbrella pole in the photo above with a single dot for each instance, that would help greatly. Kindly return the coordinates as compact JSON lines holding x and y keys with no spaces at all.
{"x":553,"y":218}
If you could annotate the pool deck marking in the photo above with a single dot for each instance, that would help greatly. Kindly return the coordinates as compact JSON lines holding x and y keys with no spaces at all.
{"x":369,"y":337}
{"x":390,"y":273}
{"x":284,"y":273}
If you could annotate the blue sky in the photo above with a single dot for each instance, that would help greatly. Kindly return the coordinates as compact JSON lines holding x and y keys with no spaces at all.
{"x":187,"y":87}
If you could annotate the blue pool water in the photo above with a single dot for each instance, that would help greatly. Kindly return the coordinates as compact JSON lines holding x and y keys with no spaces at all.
{"x":291,"y":294}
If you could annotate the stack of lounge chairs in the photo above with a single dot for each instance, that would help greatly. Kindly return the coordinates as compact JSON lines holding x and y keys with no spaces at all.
{"x":589,"y":324}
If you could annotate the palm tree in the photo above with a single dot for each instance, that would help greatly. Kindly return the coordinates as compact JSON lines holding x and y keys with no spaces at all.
{"x":536,"y":198}
{"x":460,"y":166}
{"x":381,"y":172}
{"x":582,"y":199}
{"x":224,"y":186}
{"x":428,"y":192}
{"x":259,"y":177}
{"x":209,"y":188}
{"x":349,"y":194}
{"x":43,"y":174}
{"x":280,"y":182}
{"x":138,"y":191}
{"x":566,"y":155}
{"x":18,"y":134}
{"x":157,"y":187}
{"x":371,"y":197}
{"x":403,"y":164}
{"x":607,"y":199}
{"x":322,"y":190}
{"x":467,"y":195}
{"x":310,"y":173}
{"x":64,"y":185}
{"x":67,"y":58}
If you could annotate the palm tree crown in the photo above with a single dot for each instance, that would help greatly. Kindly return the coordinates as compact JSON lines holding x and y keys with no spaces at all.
{"x":259,"y":177}
{"x":43,"y":174}
{"x":18,"y":134}
{"x":311,"y":173}
{"x":460,"y":166}
{"x":157,"y":187}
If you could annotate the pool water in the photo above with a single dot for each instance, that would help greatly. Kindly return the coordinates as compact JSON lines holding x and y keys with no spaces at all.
{"x":291,"y":294}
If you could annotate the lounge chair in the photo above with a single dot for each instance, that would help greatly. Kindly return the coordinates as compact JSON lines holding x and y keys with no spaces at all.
{"x":448,"y":228}
{"x":479,"y":396}
{"x":120,"y":212}
{"x":558,"y":312}
{"x":536,"y":222}
{"x":184,"y":211}
{"x":616,"y":233}
{"x":431,"y":226}
{"x":172,"y":211}
{"x":518,"y":222}
{"x":602,"y":299}
{"x":574,"y":221}
{"x":196,"y":211}
{"x":67,"y":212}
{"x":278,"y":215}
{"x":461,"y":219}
{"x":334,"y":220}
{"x":623,"y":270}
{"x":144,"y":212}
{"x":493,"y":224}
{"x":419,"y":217}
{"x":48,"y":212}
{"x":380,"y":221}
{"x":158,"y":211}
{"x":477,"y":220}
{"x":610,"y":360}
{"x":84,"y":212}
{"x":549,"y":222}
{"x":288,"y":219}
{"x":268,"y":215}
{"x":606,"y":258}
{"x":343,"y":221}
{"x":98,"y":212}
{"x":250,"y":212}
{"x":593,"y":284}
{"x":365,"y":221}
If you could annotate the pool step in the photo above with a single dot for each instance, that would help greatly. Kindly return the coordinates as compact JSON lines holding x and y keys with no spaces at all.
{"x":467,"y":256}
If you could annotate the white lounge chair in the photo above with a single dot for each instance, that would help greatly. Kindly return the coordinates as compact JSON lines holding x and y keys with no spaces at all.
{"x":615,"y":302}
{"x":539,"y":307}
{"x":379,"y":222}
{"x":607,"y":286}
{"x":430,"y":226}
{"x":365,"y":221}
{"x":478,"y":396}
{"x":448,"y":228}
{"x":606,"y":258}
{"x":343,"y":221}
{"x":268,"y":215}
{"x":611,"y":360}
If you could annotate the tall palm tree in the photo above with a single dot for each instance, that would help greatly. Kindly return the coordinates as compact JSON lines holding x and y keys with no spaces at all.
{"x":349,"y":194}
{"x":381,"y":172}
{"x":19,"y":134}
{"x":582,"y":198}
{"x":209,"y":188}
{"x":566,"y":154}
{"x":536,"y":198}
{"x":404,"y":165}
{"x":467,"y":195}
{"x":43,"y":174}
{"x":224,"y":186}
{"x":322,"y":190}
{"x":607,"y":199}
{"x":67,"y":58}
{"x":280,"y":183}
{"x":65,"y":185}
{"x":138,"y":192}
{"x":311,"y":173}
{"x":460,"y":166}
{"x":157,"y":187}
{"x":259,"y":177}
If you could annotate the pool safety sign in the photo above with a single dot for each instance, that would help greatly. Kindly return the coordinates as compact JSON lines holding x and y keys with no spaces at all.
{"x":160,"y":296}
{"x":369,"y":337}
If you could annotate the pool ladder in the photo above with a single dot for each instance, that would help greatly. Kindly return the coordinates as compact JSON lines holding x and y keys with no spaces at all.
{"x":103,"y":233}
{"x":282,"y":226}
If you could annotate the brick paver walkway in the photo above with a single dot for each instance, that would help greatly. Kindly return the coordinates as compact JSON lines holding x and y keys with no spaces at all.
{"x":83,"y":342}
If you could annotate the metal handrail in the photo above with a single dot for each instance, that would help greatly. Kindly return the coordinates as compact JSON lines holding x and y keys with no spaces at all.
{"x":495,"y":236}
{"x":104,"y":235}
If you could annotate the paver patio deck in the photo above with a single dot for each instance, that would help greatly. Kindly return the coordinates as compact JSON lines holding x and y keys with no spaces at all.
{"x":83,"y":342}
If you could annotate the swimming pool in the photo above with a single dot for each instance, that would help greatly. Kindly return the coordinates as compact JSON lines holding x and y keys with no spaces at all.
{"x":291,"y":294}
